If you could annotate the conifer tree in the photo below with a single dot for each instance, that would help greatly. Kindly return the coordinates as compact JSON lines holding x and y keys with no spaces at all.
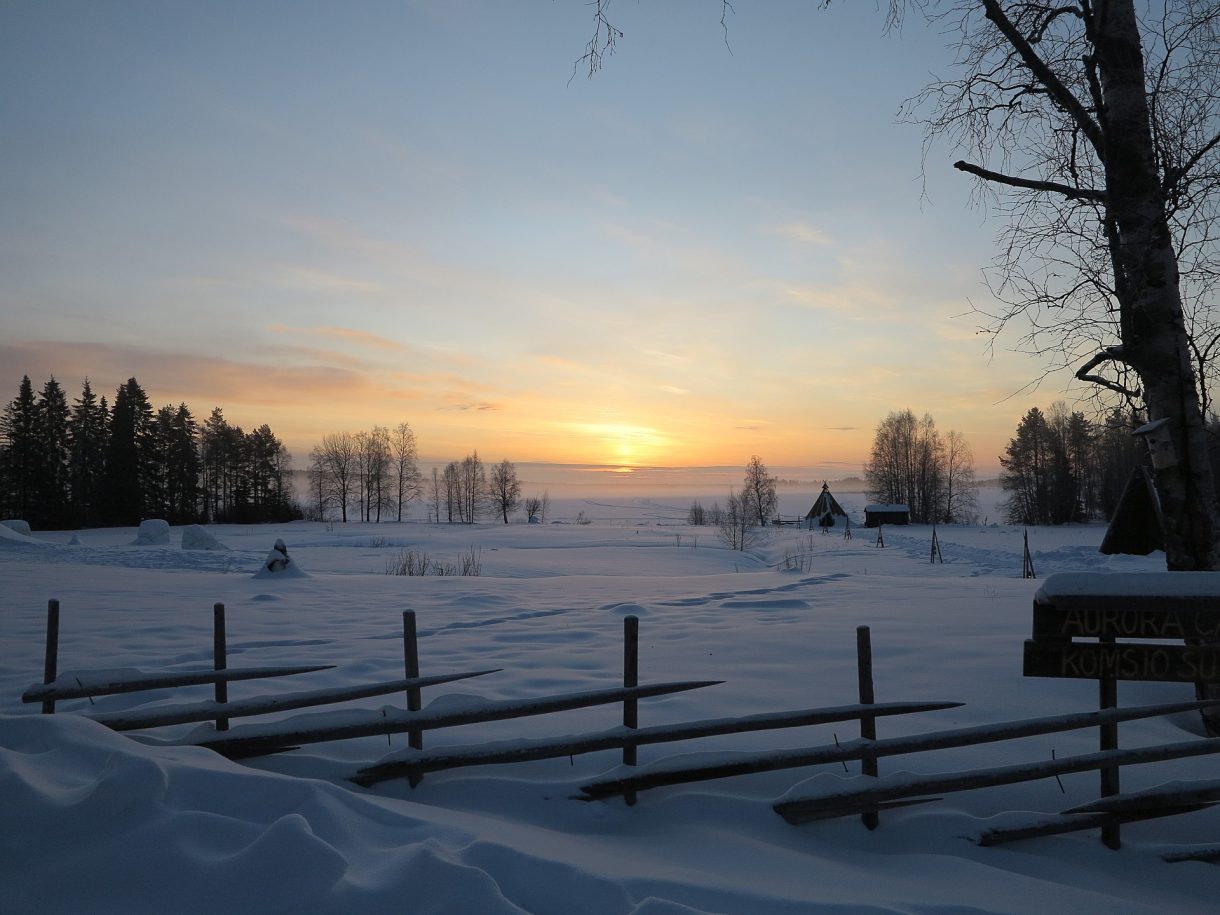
{"x":51,"y":506}
{"x":18,"y":425}
{"x":87,"y":440}
{"x":127,"y":468}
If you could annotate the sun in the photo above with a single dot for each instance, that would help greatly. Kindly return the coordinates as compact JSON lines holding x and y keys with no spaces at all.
{"x":623,"y":444}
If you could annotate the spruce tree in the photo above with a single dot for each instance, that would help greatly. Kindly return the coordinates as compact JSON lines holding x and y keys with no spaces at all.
{"x":18,"y":429}
{"x":51,"y":508}
{"x":184,"y":466}
{"x":127,"y":469}
{"x":87,"y":428}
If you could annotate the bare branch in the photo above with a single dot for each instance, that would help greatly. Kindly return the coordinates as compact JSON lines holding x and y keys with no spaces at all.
{"x":1076,"y":193}
{"x":1109,"y":354}
{"x":1037,"y":66}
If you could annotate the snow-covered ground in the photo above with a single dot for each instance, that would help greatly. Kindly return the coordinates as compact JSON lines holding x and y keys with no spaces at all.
{"x":94,"y":821}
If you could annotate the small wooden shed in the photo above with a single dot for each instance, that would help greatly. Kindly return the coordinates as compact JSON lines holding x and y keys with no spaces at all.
{"x":876,"y":515}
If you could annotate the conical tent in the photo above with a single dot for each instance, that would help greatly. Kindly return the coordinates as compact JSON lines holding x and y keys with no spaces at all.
{"x":826,"y":508}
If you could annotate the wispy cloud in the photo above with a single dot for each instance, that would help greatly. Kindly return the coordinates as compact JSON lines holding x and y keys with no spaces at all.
{"x":346,"y":334}
{"x":802,"y":232}
{"x":479,"y":407}
{"x":312,"y":280}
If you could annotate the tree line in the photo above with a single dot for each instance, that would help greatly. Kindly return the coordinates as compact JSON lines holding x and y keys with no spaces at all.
{"x":911,"y":463}
{"x":90,"y":463}
{"x":1059,"y":467}
{"x":374,"y":475}
{"x":1062,"y":467}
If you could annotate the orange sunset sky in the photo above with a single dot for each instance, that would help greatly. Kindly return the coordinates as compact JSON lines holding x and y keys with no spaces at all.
{"x":327,"y":216}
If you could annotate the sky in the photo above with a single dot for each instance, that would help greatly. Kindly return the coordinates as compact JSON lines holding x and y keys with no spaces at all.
{"x":326,"y":216}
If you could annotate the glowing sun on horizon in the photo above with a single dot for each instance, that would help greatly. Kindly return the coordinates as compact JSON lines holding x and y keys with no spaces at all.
{"x":622,"y":444}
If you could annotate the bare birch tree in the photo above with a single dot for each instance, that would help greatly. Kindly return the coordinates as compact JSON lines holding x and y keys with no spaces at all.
{"x":758,"y":492}
{"x":505,"y":489}
{"x":961,"y":491}
{"x":736,"y":526}
{"x":404,"y":459}
{"x":335,"y":463}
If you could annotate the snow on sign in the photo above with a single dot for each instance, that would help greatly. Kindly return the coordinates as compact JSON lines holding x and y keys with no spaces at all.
{"x":1173,"y":606}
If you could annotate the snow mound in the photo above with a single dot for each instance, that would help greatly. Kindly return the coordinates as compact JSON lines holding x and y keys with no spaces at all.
{"x":181,"y":830}
{"x":8,"y":535}
{"x":279,"y":565}
{"x":197,"y":537}
{"x":152,"y":532}
{"x":17,"y":526}
{"x":16,"y":539}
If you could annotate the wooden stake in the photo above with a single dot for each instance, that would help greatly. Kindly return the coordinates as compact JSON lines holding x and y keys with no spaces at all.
{"x":410,"y":658}
{"x":868,"y":725}
{"x":51,"y":664}
{"x":631,"y":677}
{"x":1107,"y":690}
{"x":220,"y":659}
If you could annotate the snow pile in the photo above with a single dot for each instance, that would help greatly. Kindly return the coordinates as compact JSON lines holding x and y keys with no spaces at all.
{"x":198,"y":537}
{"x":279,"y":564}
{"x":152,"y":532}
{"x":8,"y":535}
{"x":17,"y":526}
{"x":189,"y":832}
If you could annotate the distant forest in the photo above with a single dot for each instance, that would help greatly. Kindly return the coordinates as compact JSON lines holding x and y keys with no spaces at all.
{"x":94,"y":464}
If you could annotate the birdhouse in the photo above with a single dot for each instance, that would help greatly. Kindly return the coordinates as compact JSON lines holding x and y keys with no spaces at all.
{"x":1160,"y":446}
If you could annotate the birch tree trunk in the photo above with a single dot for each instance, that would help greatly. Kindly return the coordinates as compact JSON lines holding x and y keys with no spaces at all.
{"x":1155,"y":342}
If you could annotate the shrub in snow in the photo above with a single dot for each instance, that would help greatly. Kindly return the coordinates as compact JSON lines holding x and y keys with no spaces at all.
{"x":17,"y":526}
{"x":197,"y":537}
{"x":152,"y":532}
{"x":279,"y":565}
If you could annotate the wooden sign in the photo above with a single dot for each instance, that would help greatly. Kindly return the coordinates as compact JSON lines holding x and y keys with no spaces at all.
{"x":1129,"y":618}
{"x":1122,"y":661}
{"x":1174,"y":608}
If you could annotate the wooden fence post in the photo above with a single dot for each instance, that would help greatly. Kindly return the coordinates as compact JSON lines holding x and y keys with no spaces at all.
{"x":220,"y":659}
{"x":1107,"y":689}
{"x":51,"y":664}
{"x":410,"y":659}
{"x":631,"y":677}
{"x":868,"y":724}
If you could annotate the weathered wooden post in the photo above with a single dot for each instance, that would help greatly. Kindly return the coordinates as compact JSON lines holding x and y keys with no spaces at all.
{"x":220,"y":659}
{"x":1107,"y":690}
{"x":410,"y":657}
{"x":50,"y":666}
{"x":1027,"y":562}
{"x":631,"y":677}
{"x":868,"y":724}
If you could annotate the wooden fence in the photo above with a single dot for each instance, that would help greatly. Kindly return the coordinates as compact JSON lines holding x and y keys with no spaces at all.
{"x":880,"y":793}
